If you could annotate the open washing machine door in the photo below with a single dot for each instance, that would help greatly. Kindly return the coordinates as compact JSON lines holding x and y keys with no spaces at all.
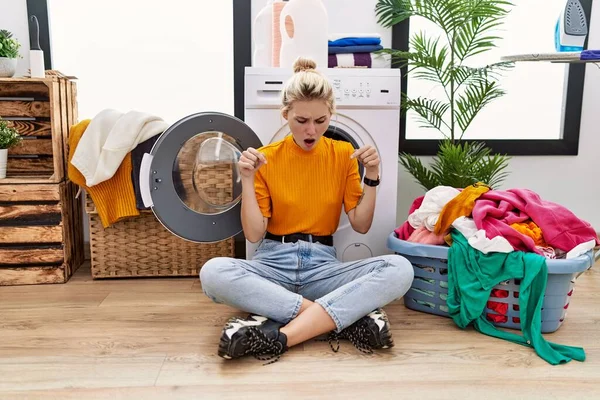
{"x":190,"y":178}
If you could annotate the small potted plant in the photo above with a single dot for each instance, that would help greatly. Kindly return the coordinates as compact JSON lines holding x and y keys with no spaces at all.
{"x":9,"y":137}
{"x":9,"y":52}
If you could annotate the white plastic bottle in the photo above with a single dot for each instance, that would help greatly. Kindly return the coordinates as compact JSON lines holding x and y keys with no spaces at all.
{"x":262,"y":36}
{"x":304,"y":32}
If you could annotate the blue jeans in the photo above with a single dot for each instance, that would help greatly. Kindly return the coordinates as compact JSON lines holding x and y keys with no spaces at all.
{"x":280,"y":275}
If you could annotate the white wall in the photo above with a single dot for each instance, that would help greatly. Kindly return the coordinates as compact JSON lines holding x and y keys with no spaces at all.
{"x":171,"y":59}
{"x":13,"y":18}
{"x":568,"y":180}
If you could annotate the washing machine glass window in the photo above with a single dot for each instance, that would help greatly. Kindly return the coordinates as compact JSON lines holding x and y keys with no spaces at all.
{"x":205,"y":173}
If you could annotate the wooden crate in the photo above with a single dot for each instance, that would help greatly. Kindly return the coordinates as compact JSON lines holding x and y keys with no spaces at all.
{"x":141,"y":247}
{"x":41,"y":233}
{"x":42,"y":110}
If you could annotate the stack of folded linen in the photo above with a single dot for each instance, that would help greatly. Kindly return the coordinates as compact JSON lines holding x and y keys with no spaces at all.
{"x":356,"y":50}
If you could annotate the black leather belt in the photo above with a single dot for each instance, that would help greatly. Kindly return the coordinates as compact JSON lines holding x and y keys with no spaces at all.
{"x":294,"y":237}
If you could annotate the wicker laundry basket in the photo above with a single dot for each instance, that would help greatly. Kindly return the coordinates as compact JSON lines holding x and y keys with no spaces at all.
{"x":141,"y":247}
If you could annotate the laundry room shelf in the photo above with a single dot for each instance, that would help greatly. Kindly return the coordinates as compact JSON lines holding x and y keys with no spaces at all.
{"x":42,"y":110}
{"x":41,"y":233}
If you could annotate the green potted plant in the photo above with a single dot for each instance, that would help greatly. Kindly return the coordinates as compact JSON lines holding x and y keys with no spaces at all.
{"x":9,"y":137}
{"x":466,"y":30}
{"x":9,"y":52}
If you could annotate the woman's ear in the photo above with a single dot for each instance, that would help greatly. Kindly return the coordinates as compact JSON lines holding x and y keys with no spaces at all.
{"x":284,"y":114}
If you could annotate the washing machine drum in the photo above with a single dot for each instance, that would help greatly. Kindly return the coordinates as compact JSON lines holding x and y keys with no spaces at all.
{"x":190,"y":179}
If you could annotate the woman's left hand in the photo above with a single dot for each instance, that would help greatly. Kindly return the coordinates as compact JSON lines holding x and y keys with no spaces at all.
{"x":369,"y":158}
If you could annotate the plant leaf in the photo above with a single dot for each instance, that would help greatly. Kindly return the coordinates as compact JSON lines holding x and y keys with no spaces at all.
{"x":463,"y":74}
{"x":415,"y":167}
{"x":476,"y":96}
{"x":444,"y":13}
{"x":430,"y":111}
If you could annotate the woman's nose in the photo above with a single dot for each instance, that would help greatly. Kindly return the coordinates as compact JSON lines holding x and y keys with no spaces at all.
{"x":311,"y":129}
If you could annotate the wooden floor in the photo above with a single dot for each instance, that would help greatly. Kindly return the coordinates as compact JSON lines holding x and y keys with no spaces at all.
{"x":157,"y":339}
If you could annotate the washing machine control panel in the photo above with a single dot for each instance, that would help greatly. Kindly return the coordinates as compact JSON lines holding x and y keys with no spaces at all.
{"x":363,"y":92}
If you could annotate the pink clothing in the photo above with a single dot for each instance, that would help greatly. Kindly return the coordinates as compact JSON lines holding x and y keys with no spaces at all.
{"x":404,"y":231}
{"x":425,"y":236}
{"x":495,"y":210}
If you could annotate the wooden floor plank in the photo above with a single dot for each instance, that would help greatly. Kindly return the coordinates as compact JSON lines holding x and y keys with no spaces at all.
{"x":158,"y":338}
{"x":403,"y":388}
{"x":35,"y":373}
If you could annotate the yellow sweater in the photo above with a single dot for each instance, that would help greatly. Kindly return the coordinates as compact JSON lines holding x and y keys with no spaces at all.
{"x":303,"y":191}
{"x":114,"y":198}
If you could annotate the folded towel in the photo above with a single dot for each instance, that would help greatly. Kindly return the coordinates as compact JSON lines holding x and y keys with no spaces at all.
{"x":355,"y":60}
{"x":336,"y":36}
{"x":353,"y":49}
{"x":110,"y":136}
{"x":352,"y":41}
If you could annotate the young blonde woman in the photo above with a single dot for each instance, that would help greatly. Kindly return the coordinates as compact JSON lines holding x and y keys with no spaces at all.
{"x":292,"y":196}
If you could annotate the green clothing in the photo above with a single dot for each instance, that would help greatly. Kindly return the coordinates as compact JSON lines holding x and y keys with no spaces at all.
{"x":471,"y":277}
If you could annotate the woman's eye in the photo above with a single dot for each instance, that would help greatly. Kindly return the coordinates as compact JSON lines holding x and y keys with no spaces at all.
{"x":320,"y":121}
{"x":302,"y":121}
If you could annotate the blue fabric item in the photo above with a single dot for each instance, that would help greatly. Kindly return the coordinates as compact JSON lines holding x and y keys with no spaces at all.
{"x":590,"y":55}
{"x":355,"y":41}
{"x":354,"y":49}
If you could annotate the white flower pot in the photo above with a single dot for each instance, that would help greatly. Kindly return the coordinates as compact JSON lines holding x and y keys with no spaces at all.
{"x":8,"y":67}
{"x":3,"y":160}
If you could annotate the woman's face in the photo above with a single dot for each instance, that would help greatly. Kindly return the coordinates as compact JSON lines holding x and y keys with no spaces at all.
{"x":308,"y":121}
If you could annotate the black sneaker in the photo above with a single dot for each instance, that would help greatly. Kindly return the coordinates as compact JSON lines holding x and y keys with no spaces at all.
{"x":368,"y":333}
{"x":256,"y":335}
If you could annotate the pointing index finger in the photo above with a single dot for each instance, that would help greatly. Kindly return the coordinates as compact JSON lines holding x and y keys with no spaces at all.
{"x":358,"y":152}
{"x":260,"y":155}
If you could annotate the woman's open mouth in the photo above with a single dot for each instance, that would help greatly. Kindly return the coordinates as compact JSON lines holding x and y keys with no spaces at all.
{"x":309,"y":142}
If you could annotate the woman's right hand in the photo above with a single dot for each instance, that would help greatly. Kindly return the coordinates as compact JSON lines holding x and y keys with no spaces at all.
{"x":250,"y":161}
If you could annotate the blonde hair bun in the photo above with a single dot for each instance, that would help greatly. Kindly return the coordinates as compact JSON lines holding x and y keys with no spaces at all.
{"x":304,"y":64}
{"x":306,"y":86}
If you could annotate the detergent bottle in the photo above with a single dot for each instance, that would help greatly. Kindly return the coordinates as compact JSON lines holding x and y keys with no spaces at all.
{"x":262,"y":35}
{"x":304,"y":32}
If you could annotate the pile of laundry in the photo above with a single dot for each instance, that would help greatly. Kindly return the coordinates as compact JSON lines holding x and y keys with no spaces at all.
{"x":105,"y":156}
{"x":495,"y":236}
{"x":497,"y":221}
{"x":356,"y":50}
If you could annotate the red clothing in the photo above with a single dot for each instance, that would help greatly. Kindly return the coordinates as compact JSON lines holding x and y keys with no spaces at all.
{"x":404,"y":231}
{"x":425,"y":236}
{"x":496,"y":210}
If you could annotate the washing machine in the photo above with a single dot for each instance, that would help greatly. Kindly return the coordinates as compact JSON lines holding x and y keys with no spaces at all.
{"x":190,"y":178}
{"x":368,"y":113}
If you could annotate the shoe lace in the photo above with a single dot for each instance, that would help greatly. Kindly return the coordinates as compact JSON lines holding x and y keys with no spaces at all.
{"x":262,"y":347}
{"x":357,"y":334}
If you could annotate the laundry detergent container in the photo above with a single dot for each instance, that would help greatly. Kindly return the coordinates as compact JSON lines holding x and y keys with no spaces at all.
{"x":429,"y":290}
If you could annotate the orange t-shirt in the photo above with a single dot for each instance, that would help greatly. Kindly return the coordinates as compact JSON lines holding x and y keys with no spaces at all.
{"x":303,"y":191}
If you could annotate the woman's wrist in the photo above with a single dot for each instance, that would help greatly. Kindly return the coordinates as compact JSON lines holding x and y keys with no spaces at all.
{"x":247,"y":180}
{"x":373,"y":175}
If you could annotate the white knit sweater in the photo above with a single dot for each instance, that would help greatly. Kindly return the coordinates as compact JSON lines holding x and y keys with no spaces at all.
{"x":107,"y":140}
